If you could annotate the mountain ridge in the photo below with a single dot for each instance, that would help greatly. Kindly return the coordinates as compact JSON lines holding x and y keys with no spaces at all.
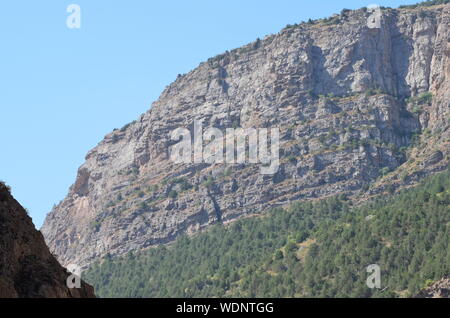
{"x":361,"y":111}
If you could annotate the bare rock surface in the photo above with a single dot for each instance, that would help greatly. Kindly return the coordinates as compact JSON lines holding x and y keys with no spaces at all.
{"x":440,"y":289}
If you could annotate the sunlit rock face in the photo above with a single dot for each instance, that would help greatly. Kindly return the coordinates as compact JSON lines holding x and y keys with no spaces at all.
{"x":361,"y":110}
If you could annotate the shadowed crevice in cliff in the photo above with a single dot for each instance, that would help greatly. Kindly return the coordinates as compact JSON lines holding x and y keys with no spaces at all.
{"x":323,"y":82}
{"x":216,"y":206}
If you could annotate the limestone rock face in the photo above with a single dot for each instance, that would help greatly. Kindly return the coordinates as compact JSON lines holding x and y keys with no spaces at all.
{"x":26,"y":266}
{"x":360,"y":110}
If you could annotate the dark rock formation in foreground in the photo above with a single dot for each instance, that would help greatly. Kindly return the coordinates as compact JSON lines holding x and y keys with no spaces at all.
{"x":27,"y":268}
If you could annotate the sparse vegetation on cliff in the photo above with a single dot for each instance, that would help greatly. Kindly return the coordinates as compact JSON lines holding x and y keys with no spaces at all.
{"x":429,"y":3}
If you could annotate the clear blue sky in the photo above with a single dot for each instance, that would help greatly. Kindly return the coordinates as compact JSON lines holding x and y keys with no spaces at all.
{"x":62,"y":90}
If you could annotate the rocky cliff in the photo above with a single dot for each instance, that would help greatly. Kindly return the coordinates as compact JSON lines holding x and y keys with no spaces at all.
{"x":26,"y":266}
{"x":361,"y":109}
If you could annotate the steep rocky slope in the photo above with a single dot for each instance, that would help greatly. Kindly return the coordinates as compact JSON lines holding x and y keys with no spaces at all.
{"x":361,"y":110}
{"x":27,"y":268}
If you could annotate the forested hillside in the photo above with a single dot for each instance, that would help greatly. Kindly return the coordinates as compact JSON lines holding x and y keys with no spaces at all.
{"x":319,"y":249}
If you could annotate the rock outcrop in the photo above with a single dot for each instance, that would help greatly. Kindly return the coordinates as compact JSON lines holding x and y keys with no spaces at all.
{"x":440,"y":289}
{"x":27,"y":268}
{"x":361,"y":110}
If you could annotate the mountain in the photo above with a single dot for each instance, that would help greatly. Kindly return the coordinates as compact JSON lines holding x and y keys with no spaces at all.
{"x":27,"y":268}
{"x":361,"y":101}
{"x":311,"y":249}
